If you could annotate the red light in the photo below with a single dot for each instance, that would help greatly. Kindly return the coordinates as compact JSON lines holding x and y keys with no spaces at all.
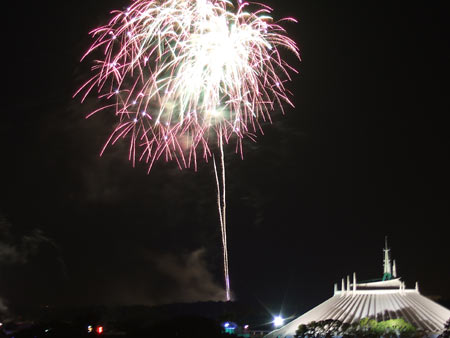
{"x":99,"y":329}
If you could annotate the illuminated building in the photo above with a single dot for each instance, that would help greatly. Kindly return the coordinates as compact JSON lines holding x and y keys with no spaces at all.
{"x":382,"y":299}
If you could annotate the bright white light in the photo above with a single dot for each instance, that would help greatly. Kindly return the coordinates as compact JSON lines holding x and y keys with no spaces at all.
{"x":278,"y":321}
{"x":215,"y":112}
{"x":245,"y":327}
{"x":226,"y":324}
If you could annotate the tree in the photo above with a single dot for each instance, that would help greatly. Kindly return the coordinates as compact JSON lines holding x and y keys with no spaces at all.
{"x":446,"y":332}
{"x":366,"y":327}
{"x":301,"y":331}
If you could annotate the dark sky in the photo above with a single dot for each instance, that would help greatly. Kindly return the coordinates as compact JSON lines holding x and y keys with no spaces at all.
{"x":365,"y":154}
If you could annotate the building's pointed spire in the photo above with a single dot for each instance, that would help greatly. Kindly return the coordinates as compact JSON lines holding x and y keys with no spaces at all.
{"x":394,"y":269}
{"x":387,"y":262}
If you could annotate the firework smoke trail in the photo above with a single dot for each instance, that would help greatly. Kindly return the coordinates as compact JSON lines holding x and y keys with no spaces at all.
{"x":178,"y":72}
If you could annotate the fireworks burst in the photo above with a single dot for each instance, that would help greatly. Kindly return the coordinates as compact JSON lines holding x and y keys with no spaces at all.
{"x":181,"y":75}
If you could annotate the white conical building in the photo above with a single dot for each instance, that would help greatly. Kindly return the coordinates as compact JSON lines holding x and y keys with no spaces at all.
{"x":383,"y":299}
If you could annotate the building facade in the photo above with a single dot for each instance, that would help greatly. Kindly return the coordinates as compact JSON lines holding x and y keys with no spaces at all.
{"x":382,"y":299}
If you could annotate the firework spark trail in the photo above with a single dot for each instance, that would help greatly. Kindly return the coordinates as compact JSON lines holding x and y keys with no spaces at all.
{"x":224,"y":227}
{"x":179,"y":69}
{"x":177,"y":72}
{"x":221,"y":204}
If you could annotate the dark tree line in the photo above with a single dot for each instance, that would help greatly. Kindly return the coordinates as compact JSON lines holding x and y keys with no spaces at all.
{"x":366,"y":327}
{"x":446,"y":333}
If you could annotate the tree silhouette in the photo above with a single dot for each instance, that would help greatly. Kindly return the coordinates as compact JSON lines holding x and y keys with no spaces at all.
{"x":446,"y":332}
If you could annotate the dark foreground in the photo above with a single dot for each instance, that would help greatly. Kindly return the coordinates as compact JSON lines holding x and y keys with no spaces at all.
{"x":199,"y":320}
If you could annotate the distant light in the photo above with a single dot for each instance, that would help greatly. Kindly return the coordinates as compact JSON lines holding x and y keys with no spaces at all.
{"x":99,"y":329}
{"x":278,"y":321}
{"x":89,"y":328}
{"x":229,"y":327}
{"x":245,"y":327}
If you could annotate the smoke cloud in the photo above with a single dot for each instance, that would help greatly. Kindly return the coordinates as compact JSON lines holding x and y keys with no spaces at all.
{"x":193,"y":280}
{"x":3,"y":308}
{"x":166,"y":278}
{"x":18,"y":249}
{"x":15,"y":250}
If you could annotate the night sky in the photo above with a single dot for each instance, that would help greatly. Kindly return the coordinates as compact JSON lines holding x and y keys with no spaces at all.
{"x":363,"y":155}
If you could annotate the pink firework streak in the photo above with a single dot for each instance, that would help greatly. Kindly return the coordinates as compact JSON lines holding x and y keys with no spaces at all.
{"x":182,"y":74}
